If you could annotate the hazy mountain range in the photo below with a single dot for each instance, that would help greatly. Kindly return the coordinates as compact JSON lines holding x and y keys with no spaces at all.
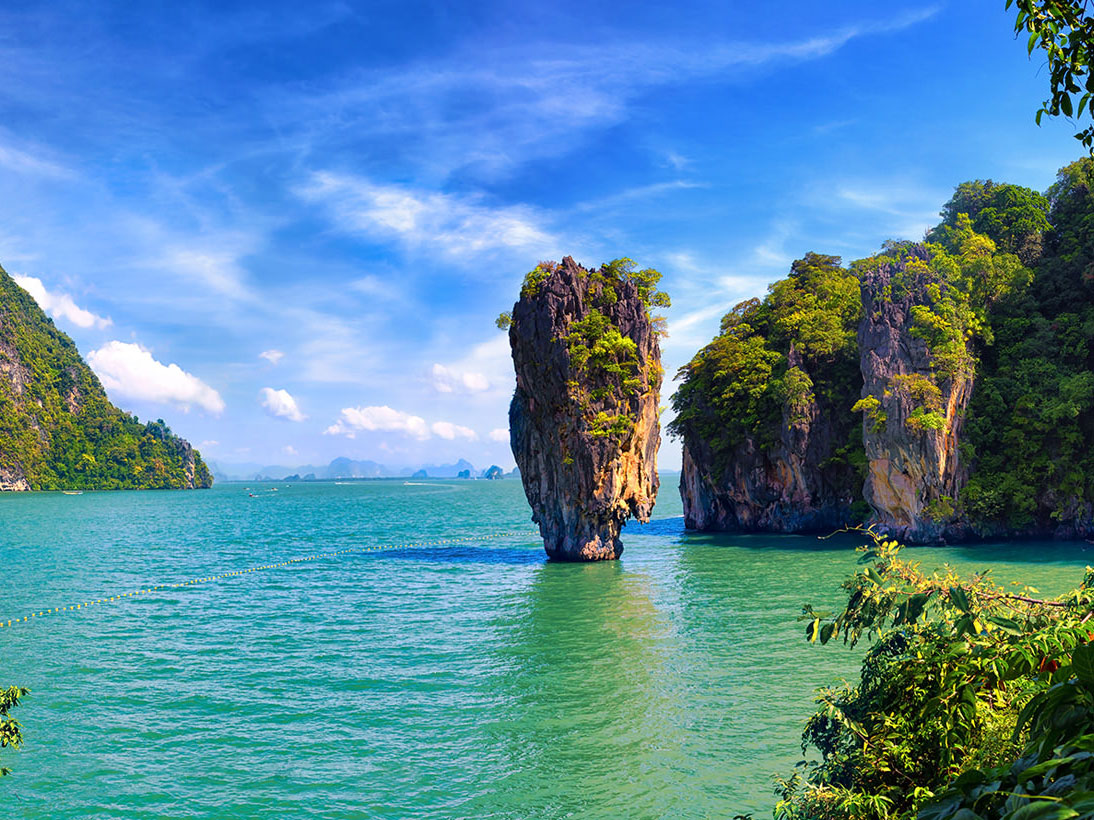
{"x":340,"y":468}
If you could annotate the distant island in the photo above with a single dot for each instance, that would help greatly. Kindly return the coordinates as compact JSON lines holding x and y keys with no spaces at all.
{"x":58,"y":429}
{"x":342,"y":469}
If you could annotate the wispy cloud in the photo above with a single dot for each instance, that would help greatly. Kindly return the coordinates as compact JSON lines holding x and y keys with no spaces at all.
{"x":531,"y":99}
{"x":456,"y":225}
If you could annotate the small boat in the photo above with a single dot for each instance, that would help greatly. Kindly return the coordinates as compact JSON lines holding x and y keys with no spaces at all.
{"x":73,"y":492}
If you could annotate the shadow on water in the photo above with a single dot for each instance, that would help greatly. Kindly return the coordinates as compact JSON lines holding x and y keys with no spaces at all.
{"x":671,"y":527}
{"x":816,"y":542}
{"x":1023,"y":551}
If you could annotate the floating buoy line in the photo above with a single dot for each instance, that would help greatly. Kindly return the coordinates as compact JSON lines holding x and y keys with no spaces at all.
{"x":44,"y":613}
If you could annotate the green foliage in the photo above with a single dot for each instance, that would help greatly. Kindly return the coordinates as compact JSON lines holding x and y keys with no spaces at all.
{"x":11,"y":733}
{"x":535,"y":277}
{"x":950,"y":688}
{"x":1064,"y":31}
{"x":1013,"y":217}
{"x":645,"y":281}
{"x":740,"y":384}
{"x":59,"y":429}
{"x":1030,"y":424}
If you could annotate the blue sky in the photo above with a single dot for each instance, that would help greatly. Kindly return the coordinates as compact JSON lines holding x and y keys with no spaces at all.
{"x":287,"y":228}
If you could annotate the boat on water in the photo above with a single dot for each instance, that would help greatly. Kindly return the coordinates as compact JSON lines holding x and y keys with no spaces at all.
{"x":72,"y":492}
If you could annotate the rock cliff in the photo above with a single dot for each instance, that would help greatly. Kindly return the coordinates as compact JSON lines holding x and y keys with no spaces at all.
{"x":795,"y":481}
{"x":584,"y":417}
{"x":58,"y":429}
{"x":914,"y":408}
{"x":769,"y":442}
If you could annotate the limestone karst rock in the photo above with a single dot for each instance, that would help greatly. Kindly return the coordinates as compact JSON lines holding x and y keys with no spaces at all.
{"x":584,"y":417}
{"x":915,"y":471}
{"x":793,"y":483}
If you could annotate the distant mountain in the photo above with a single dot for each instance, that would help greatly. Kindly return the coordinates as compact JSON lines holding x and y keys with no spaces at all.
{"x":343,"y":468}
{"x":59,"y":431}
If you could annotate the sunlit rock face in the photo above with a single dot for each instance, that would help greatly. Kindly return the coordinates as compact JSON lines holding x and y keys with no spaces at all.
{"x":584,"y":434}
{"x":915,"y":473}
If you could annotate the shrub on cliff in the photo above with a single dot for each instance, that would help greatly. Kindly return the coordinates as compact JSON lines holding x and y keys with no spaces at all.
{"x":966,"y":685}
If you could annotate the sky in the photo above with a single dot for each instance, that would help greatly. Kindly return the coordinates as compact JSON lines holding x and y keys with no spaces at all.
{"x":287,"y":228}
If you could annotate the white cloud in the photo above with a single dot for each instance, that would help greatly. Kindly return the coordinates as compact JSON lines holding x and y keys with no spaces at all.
{"x":498,"y":434}
{"x":353,"y":420}
{"x":457,"y":225}
{"x":280,"y":404}
{"x":449,"y":380}
{"x":272,"y":356}
{"x":59,"y":305}
{"x":131,"y":371}
{"x":289,"y":450}
{"x":208,"y":443}
{"x":450,"y":431}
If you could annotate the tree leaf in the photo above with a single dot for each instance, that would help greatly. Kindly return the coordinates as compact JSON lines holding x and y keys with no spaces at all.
{"x":1082,"y":663}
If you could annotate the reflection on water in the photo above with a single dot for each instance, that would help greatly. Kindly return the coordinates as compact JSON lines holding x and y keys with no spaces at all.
{"x":591,"y":719}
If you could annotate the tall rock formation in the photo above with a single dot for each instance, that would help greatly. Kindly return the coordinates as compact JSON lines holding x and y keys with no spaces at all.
{"x":58,"y":429}
{"x":584,"y":417}
{"x":913,"y":401}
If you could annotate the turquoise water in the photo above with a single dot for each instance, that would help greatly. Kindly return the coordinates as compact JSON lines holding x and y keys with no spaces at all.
{"x":456,"y":681}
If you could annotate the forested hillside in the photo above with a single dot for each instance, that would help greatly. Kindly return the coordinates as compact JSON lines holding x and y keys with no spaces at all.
{"x":58,"y":430}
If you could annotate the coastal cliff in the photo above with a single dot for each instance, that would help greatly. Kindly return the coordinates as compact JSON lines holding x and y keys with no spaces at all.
{"x":768,"y":442}
{"x":768,"y":412}
{"x":583,"y":421}
{"x":914,"y":407}
{"x":58,"y":429}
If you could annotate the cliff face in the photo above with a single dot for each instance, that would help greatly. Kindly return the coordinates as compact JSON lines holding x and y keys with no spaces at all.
{"x":58,"y":430}
{"x":584,"y":417}
{"x":915,"y":473}
{"x":794,"y":483}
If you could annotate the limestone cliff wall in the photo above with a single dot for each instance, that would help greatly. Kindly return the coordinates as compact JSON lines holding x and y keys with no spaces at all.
{"x":915,"y":473}
{"x":582,"y":479}
{"x":791,"y":484}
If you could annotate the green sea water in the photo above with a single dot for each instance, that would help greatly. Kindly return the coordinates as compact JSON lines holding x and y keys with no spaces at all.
{"x":470,"y":680}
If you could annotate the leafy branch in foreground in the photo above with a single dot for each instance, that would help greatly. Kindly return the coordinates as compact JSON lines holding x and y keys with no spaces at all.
{"x":958,"y":681}
{"x":1064,"y":30}
{"x":11,"y":733}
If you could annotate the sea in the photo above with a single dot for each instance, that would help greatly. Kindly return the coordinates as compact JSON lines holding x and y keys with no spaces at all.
{"x":403,"y":649}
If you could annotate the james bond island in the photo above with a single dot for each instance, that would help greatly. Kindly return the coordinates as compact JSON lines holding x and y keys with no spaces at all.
{"x":584,"y":417}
